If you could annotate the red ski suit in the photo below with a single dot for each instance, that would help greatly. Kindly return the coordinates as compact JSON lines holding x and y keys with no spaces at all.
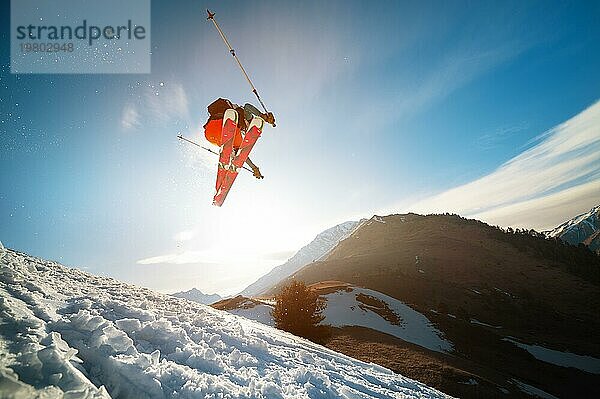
{"x":212,"y":132}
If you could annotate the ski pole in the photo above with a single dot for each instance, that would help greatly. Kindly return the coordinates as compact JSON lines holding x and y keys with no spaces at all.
{"x":180,"y":137}
{"x":211,"y":16}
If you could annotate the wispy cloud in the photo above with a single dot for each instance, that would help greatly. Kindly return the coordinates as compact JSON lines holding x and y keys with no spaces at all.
{"x":166,"y":101}
{"x":280,"y":255}
{"x":561,"y":169}
{"x":495,"y":138}
{"x":130,"y":118}
{"x":156,"y":102}
{"x":216,"y":255}
{"x":415,"y":91}
{"x":548,"y":211}
{"x":458,"y":67}
{"x":182,"y":258}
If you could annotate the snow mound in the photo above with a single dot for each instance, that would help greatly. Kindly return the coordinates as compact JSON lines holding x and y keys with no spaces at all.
{"x":66,"y":333}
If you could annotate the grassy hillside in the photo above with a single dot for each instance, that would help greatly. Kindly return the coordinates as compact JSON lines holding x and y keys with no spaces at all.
{"x":533,"y":287}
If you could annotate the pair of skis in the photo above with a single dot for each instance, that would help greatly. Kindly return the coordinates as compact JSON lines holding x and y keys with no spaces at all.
{"x":230,"y":159}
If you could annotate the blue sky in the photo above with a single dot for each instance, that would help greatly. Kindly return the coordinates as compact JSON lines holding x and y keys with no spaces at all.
{"x":381,"y":108}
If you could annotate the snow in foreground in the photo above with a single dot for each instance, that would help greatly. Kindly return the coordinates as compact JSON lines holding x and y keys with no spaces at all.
{"x":64,"y":330}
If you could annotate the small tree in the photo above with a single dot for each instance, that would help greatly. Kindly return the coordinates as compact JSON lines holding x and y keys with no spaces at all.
{"x":299,"y":310}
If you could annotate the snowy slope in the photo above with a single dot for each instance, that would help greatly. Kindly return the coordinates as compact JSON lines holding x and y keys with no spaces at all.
{"x":64,"y":330}
{"x":255,"y":311}
{"x":319,"y":247}
{"x":584,"y":228}
{"x":195,"y":295}
{"x":344,"y":308}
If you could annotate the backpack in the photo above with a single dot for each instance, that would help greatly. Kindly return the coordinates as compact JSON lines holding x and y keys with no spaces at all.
{"x":218,"y":107}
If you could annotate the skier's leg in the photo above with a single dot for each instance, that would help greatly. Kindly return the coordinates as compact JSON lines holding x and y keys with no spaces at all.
{"x":238,"y":140}
{"x":227,"y":133}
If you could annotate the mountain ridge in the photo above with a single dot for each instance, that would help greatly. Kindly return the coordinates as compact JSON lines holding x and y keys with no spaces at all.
{"x":196,"y":295}
{"x":482,"y":286}
{"x":581,"y":229}
{"x":313,"y":251}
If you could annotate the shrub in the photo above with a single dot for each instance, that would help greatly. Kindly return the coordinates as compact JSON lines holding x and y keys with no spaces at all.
{"x":299,"y":310}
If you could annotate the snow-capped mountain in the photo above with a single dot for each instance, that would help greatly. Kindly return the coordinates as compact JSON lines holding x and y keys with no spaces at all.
{"x":67,"y":333}
{"x":584,"y":228}
{"x":196,"y":295}
{"x":317,"y":249}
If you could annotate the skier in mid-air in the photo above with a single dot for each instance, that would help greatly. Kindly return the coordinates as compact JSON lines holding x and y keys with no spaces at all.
{"x":214,"y":125}
{"x":235,"y":130}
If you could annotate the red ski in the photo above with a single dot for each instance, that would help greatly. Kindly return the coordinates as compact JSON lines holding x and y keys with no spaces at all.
{"x":254,"y":131}
{"x":230,"y":119}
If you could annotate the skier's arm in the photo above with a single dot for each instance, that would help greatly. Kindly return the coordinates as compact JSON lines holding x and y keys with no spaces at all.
{"x":250,"y":110}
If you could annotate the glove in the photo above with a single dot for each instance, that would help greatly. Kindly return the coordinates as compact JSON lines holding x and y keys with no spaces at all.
{"x":269,"y":118}
{"x":256,"y":173}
